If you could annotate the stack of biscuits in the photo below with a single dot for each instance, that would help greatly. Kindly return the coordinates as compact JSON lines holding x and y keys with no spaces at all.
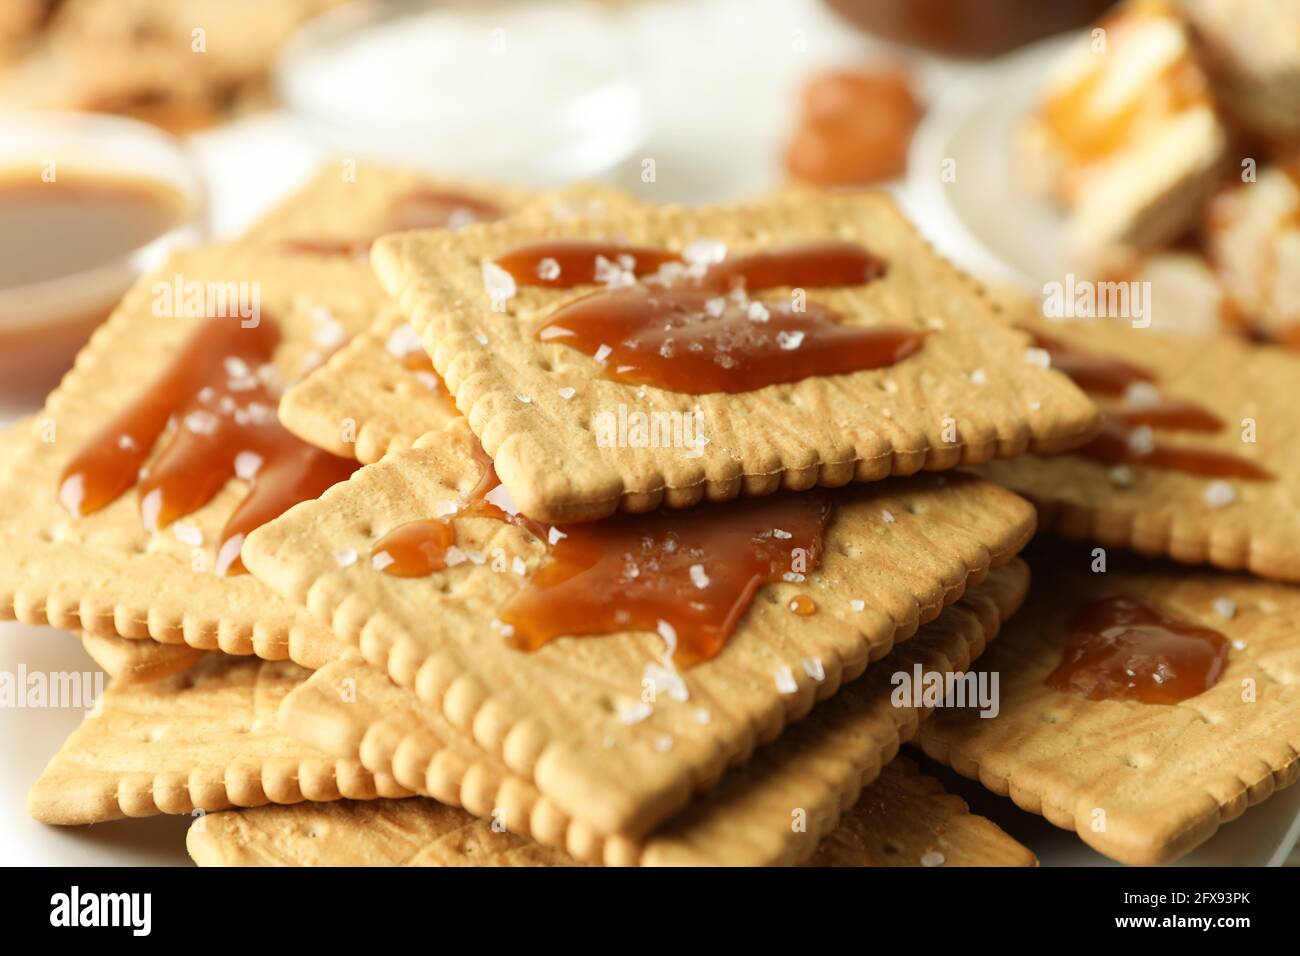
{"x":307,"y":706}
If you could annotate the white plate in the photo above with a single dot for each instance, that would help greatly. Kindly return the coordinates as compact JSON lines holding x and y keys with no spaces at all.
{"x":987,"y":219}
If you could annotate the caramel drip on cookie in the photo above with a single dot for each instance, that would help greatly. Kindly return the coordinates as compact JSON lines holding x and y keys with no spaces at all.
{"x":1121,"y":649}
{"x":568,"y":263}
{"x":419,"y":548}
{"x":688,"y":575}
{"x":219,"y":395}
{"x":1101,"y":374}
{"x":1124,"y":437}
{"x":419,"y":209}
{"x":695,"y":329}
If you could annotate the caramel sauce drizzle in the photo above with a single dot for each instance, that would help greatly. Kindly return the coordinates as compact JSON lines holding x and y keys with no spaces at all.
{"x":695,"y":329}
{"x":217,"y":393}
{"x":691,"y":575}
{"x":1117,"y":442}
{"x":697,"y":571}
{"x":420,"y":209}
{"x":1121,"y":649}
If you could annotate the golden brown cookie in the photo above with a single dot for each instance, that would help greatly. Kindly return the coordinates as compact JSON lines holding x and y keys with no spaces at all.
{"x":1224,"y":520}
{"x":1144,"y":783}
{"x":104,"y":573}
{"x":201,"y":740}
{"x":774,"y":808}
{"x":128,"y":660}
{"x":903,"y":819}
{"x":894,"y":556}
{"x":967,"y":395}
{"x":378,"y":393}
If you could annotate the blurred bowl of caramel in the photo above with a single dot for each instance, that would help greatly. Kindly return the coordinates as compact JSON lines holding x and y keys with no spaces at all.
{"x":88,"y":203}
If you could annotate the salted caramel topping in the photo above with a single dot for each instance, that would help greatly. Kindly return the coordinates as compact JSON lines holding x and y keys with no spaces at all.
{"x":688,"y":575}
{"x":220,"y":394}
{"x":568,"y":263}
{"x":695,"y":329}
{"x":1118,"y":444}
{"x":696,"y":572}
{"x":1101,"y":374}
{"x":420,"y":209}
{"x":1126,"y":433}
{"x":1121,"y":649}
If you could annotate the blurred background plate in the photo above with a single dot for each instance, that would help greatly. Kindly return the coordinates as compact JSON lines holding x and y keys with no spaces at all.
{"x":987,"y":218}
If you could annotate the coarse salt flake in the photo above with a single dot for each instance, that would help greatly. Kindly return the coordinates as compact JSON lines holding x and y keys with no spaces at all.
{"x":188,"y":533}
{"x":785,"y":682}
{"x":499,"y":284}
{"x":1040,"y":358}
{"x":704,"y":252}
{"x":1219,"y":494}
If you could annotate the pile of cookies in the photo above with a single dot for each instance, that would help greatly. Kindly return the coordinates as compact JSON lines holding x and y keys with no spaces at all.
{"x":440,"y":523}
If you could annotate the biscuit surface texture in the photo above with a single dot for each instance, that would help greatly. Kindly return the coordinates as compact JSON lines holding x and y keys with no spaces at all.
{"x":904,"y":550}
{"x":810,"y":775}
{"x":104,"y":573}
{"x":368,"y":399}
{"x":1254,"y":525}
{"x":901,"y":819}
{"x":205,"y":739}
{"x":968,"y":395}
{"x":1142,"y":783}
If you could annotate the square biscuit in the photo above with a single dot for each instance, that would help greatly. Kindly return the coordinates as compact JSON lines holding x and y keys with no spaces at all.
{"x":901,"y":819}
{"x":966,"y":396}
{"x":104,"y":573}
{"x":356,"y":201}
{"x":128,"y":661}
{"x":899,"y":551}
{"x":379,"y":393}
{"x":1196,"y":519}
{"x":363,"y":400}
{"x":775,"y":808}
{"x":205,"y":739}
{"x":1142,"y":783}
